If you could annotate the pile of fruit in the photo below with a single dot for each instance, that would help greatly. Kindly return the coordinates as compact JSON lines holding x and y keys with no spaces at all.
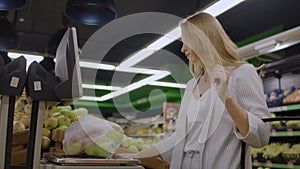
{"x":134,"y":144}
{"x":56,"y":121}
{"x":22,"y":113}
{"x":277,"y":151}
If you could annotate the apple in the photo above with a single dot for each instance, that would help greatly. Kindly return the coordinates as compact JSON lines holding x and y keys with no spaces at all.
{"x":73,"y":149}
{"x":105,"y":149}
{"x":63,"y":120}
{"x":46,"y":132}
{"x":60,"y":108}
{"x":81,"y":111}
{"x":137,"y":143}
{"x":63,"y":127}
{"x":27,"y":109}
{"x":90,"y":150}
{"x":126,"y":142}
{"x":26,"y":121}
{"x":46,"y":142}
{"x":51,"y":123}
{"x":70,"y":114}
{"x":133,"y":148}
{"x":18,"y":126}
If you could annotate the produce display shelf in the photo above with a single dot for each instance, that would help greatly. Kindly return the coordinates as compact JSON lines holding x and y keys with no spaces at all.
{"x":285,"y":108}
{"x":284,"y":133}
{"x":276,"y":165}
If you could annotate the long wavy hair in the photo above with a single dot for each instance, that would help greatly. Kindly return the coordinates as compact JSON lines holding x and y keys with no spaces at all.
{"x":209,"y":43}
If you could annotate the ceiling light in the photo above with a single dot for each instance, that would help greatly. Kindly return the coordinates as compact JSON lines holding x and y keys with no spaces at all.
{"x":134,"y":86}
{"x":166,"y":39}
{"x":93,"y":65}
{"x":136,"y":58}
{"x":168,"y":84}
{"x":140,"y":70}
{"x":100,"y":87}
{"x":90,"y":98}
{"x":216,"y":9}
{"x":221,"y":6}
{"x":271,"y":44}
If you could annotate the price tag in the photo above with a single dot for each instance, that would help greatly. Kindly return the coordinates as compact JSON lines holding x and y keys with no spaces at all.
{"x":269,"y":163}
{"x":290,"y":164}
{"x":290,"y":132}
{"x":273,"y":132}
{"x":255,"y":162}
{"x":14,"y":82}
{"x":37,"y":85}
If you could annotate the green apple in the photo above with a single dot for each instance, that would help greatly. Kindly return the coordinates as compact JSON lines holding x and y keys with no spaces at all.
{"x":60,"y":108}
{"x":70,"y":114}
{"x":133,"y":148}
{"x":81,"y":111}
{"x":46,"y":132}
{"x":63,"y":127}
{"x":126,"y":142}
{"x":46,"y":142}
{"x":137,"y":143}
{"x":105,"y":150}
{"x":90,"y":150}
{"x":51,"y":123}
{"x":73,"y":149}
{"x":56,"y":114}
{"x":63,"y":120}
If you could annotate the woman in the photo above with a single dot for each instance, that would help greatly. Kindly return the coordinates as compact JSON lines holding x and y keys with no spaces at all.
{"x":222,"y":106}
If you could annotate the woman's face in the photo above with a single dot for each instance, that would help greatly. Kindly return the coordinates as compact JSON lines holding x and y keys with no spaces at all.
{"x":187,"y":51}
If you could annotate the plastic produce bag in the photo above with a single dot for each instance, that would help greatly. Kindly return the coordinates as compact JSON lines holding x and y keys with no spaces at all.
{"x":93,"y":136}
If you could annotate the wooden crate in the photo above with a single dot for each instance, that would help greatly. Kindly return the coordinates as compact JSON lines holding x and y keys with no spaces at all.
{"x":19,"y":147}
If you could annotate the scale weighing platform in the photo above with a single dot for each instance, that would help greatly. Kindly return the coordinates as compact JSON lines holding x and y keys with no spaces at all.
{"x":57,"y":162}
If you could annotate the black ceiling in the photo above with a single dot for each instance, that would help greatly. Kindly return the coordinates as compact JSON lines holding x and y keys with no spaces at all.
{"x":247,"y":22}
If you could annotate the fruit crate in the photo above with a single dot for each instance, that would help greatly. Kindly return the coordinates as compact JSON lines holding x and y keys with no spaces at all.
{"x":19,"y":147}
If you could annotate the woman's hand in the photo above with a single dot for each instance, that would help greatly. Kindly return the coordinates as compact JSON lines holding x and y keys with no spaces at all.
{"x":219,"y":77}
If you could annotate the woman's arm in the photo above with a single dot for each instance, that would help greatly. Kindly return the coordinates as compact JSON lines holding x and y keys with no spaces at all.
{"x":238,"y":115}
{"x":249,"y":107}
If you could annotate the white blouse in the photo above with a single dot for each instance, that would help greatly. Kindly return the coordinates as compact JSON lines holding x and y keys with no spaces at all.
{"x":222,"y":149}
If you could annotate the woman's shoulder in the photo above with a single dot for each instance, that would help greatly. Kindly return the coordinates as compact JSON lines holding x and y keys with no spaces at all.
{"x":244,"y":69}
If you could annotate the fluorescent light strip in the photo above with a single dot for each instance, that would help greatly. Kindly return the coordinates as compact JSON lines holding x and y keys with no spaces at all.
{"x":90,"y":98}
{"x":166,"y":39}
{"x":140,"y":70}
{"x":133,"y":86}
{"x":136,"y":58}
{"x":221,"y":7}
{"x":93,"y":65}
{"x":168,"y":84}
{"x":216,"y":9}
{"x":100,"y":87}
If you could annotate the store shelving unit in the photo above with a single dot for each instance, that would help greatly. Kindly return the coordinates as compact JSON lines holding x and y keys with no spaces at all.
{"x":282,"y":134}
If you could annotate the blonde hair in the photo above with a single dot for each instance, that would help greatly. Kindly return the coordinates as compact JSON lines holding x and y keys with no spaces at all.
{"x":209,"y":43}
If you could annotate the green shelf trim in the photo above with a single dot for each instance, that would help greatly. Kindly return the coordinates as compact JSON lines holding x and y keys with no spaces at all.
{"x":275,"y":165}
{"x":285,"y":108}
{"x":285,"y":134}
